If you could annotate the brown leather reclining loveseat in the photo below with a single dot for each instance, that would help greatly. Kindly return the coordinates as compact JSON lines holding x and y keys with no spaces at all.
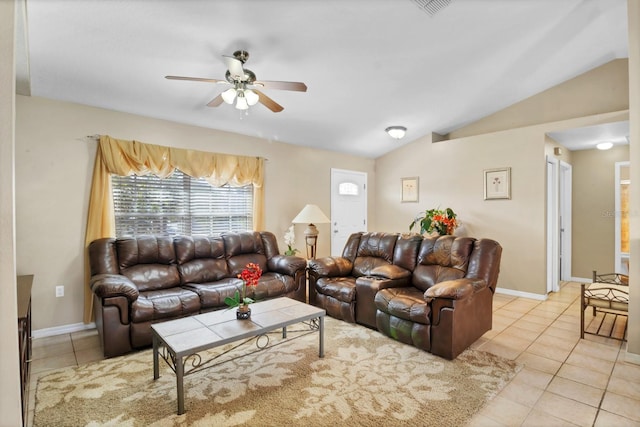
{"x":435,"y":293}
{"x":148,"y":279}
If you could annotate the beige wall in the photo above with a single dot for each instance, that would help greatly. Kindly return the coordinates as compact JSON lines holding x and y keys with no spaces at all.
{"x":10,"y":406}
{"x":593,"y":210}
{"x":601,"y":90}
{"x":54,"y":163}
{"x":549,"y":147}
{"x":451,"y":172}
{"x":451,"y":175}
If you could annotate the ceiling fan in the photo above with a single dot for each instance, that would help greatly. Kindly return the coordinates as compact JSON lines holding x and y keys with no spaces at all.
{"x":244,"y":85}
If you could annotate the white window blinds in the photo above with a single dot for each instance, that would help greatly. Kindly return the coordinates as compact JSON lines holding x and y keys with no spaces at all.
{"x":179,"y":204}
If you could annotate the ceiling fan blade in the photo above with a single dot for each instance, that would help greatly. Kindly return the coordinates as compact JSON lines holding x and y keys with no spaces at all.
{"x":235,"y":67}
{"x":195,"y":79}
{"x":268,"y":102}
{"x":297,"y":86}
{"x":215,"y":102}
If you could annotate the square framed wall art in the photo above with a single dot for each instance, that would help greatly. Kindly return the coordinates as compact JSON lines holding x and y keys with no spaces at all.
{"x":497,"y":183}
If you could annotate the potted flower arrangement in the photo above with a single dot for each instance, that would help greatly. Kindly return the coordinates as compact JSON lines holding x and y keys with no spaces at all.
{"x":250,"y":277}
{"x":438,"y":221}
{"x":290,"y":240}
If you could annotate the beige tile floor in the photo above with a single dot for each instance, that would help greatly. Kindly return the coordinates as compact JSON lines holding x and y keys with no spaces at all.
{"x":564,"y":381}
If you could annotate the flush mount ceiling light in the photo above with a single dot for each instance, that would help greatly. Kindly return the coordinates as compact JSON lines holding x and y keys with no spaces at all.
{"x":604,"y":145}
{"x":396,"y":132}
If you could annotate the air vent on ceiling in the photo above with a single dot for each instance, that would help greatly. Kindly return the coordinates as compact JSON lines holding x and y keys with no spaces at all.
{"x":432,"y":6}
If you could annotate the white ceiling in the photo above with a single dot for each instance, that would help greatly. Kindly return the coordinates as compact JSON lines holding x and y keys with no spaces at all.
{"x":586,"y":138}
{"x":368,"y":64}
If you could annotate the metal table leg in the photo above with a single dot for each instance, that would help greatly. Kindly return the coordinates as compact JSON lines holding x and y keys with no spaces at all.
{"x":180,"y":383}
{"x":321,"y":344}
{"x":156,"y":368}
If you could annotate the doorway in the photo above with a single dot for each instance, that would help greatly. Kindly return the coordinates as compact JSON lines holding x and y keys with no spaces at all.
{"x":622,"y":181}
{"x":348,"y":206}
{"x":558,"y":223}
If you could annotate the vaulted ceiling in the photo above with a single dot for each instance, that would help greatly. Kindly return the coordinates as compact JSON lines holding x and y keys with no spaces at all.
{"x":367,"y":64}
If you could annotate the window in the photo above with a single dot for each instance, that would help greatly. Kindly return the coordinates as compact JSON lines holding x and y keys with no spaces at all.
{"x":179,"y":204}
{"x":348,"y":189}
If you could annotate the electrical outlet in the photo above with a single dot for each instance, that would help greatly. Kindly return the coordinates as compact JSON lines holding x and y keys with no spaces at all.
{"x":59,"y":291}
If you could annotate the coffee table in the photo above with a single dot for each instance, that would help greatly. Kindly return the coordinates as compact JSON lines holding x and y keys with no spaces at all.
{"x":179,"y":341}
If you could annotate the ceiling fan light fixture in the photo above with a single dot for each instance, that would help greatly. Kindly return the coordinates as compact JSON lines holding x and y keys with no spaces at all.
{"x":241,"y":102}
{"x":251,"y":97}
{"x":604,"y":145}
{"x":396,"y":132}
{"x":229,"y":95}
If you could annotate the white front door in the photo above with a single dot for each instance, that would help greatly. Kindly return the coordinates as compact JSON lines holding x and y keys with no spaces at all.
{"x":348,"y":206}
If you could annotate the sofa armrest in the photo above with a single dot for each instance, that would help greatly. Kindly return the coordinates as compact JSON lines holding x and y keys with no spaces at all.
{"x":390,"y":271}
{"x":113,"y":285}
{"x":284,"y":264}
{"x":331,"y":266}
{"x":455,"y":289}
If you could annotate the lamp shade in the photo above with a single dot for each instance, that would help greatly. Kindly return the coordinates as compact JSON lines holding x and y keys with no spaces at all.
{"x":229,"y":95}
{"x":241,"y":101}
{"x":251,"y":96}
{"x":310,"y":214}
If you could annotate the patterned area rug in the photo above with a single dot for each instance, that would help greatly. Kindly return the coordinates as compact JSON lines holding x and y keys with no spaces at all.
{"x":364,"y":379}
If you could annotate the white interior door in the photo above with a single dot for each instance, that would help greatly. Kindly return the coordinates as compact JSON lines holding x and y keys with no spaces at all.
{"x":553,"y":226}
{"x":348,"y":206}
{"x":565,"y":220}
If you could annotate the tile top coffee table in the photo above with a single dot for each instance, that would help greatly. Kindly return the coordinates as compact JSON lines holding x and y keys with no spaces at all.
{"x":188,"y":336}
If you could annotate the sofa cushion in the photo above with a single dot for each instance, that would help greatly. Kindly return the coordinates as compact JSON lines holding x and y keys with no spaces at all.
{"x":212,"y":294}
{"x":148,"y":261}
{"x":201,"y":259}
{"x":272,"y":285}
{"x":442,"y":258}
{"x":404,"y":303}
{"x":243,"y":248}
{"x":341,"y":288}
{"x":164,"y":304}
{"x":374,"y":250}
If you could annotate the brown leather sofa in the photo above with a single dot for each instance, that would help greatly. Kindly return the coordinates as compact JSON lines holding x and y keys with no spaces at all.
{"x":148,"y":279}
{"x":435,"y":293}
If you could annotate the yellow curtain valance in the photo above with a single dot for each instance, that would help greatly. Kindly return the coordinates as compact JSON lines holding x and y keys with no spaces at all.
{"x":121,"y":157}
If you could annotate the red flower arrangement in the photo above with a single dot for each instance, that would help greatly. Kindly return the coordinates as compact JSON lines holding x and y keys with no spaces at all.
{"x":250,"y":277}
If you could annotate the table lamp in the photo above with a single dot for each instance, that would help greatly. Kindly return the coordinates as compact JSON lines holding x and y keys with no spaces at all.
{"x":311,"y":215}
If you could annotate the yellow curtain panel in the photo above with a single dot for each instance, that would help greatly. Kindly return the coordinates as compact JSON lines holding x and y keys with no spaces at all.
{"x":120,"y":157}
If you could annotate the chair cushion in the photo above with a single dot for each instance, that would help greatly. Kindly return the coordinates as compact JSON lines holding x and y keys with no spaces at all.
{"x":607,"y":295}
{"x":212,"y":294}
{"x":163,"y":304}
{"x":404,"y":303}
{"x":341,"y":288}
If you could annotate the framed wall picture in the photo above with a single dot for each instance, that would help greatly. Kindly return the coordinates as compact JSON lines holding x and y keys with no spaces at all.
{"x":410,"y":189}
{"x":497,"y":183}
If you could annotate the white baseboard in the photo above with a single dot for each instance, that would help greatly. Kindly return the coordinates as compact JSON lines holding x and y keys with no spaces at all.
{"x":521,"y":294}
{"x":581,"y":280}
{"x":60,"y":330}
{"x":632,"y":358}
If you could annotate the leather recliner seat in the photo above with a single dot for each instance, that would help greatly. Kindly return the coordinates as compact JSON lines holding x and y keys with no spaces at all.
{"x":434,"y":293}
